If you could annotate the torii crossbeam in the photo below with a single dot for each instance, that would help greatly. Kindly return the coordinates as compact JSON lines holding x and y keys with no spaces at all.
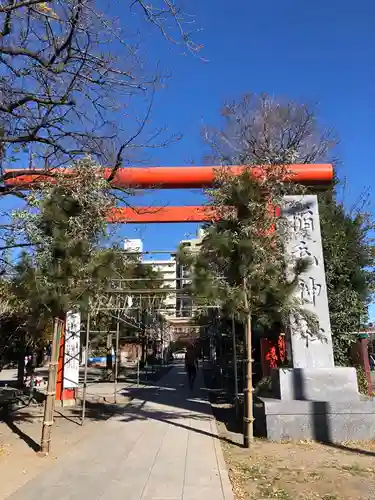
{"x":173,"y":178}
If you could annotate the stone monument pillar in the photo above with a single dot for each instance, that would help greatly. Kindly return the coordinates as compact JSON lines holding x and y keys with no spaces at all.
{"x":313,"y":376}
{"x":304,"y":242}
{"x":313,"y":399}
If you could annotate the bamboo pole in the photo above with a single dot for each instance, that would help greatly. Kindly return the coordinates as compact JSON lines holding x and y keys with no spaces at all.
{"x":248,"y":418}
{"x":235,"y":367}
{"x":45,"y":446}
{"x":116,"y":360}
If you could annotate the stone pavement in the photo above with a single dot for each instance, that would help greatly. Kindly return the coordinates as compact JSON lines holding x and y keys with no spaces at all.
{"x":163,"y":446}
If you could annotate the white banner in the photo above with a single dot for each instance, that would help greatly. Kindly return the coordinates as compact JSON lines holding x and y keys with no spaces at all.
{"x":72,"y":349}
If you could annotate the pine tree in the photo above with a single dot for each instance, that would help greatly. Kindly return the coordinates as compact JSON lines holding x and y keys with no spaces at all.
{"x":63,"y":225}
{"x":242,"y":267}
{"x":349,"y":264}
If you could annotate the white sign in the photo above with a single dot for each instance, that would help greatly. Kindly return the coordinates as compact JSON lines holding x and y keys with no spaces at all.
{"x":72,"y":349}
{"x":133,"y":245}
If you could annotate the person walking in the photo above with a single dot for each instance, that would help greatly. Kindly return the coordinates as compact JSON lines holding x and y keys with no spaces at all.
{"x":191,"y":365}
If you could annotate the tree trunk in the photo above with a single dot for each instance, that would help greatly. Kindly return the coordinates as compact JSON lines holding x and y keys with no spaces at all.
{"x":248,"y":417}
{"x":234,"y":347}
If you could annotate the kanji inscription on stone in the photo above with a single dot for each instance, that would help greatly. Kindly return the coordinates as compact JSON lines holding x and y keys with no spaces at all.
{"x":302,"y":251}
{"x":303,"y":221}
{"x":304,"y":242}
{"x":310,"y":290}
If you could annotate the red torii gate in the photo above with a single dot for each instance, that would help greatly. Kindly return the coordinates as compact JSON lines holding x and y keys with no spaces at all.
{"x":165,"y":178}
{"x":173,"y":178}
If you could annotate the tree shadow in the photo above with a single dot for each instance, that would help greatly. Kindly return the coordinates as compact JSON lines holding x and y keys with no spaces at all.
{"x":171,"y":418}
{"x":172,"y":402}
{"x":169,"y":401}
{"x":10,"y":419}
{"x":351,"y":449}
{"x":322,"y":432}
{"x":224,"y":406}
{"x":98,"y":411}
{"x":14,"y":418}
{"x":9,"y":382}
{"x":75,"y":420}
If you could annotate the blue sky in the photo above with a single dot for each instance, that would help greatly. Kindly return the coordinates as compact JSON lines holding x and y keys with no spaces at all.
{"x":316,"y":52}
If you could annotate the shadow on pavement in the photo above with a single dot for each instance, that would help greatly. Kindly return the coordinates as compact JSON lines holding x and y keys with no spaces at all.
{"x":172,"y":402}
{"x":17,"y":411}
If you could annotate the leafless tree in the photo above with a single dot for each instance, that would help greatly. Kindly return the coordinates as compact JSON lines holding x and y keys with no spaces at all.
{"x":259,"y":130}
{"x":69,"y":75}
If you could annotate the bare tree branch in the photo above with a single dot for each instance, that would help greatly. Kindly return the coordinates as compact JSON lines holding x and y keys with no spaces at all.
{"x":157,"y":15}
{"x":73,"y":84}
{"x":69,"y":77}
{"x":263,"y":130}
{"x":16,"y":245}
{"x":131,"y":139}
{"x":12,"y":6}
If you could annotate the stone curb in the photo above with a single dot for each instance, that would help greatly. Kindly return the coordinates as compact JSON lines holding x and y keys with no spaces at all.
{"x":222,"y":467}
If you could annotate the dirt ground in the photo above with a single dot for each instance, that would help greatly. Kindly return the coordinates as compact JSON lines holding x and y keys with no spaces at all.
{"x":300,"y":470}
{"x":291,"y":470}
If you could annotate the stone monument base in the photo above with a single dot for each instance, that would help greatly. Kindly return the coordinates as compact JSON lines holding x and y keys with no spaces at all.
{"x":325,"y":421}
{"x":322,"y":404}
{"x":315,"y":384}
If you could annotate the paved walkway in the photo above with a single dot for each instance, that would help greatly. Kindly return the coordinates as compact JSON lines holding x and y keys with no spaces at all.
{"x":164,"y":446}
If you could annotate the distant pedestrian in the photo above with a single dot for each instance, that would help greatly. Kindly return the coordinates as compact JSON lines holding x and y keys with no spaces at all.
{"x":191,"y":365}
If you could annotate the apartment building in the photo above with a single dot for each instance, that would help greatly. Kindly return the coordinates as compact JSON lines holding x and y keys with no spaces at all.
{"x":175,"y":275}
{"x":184,"y":305}
{"x":167,"y":269}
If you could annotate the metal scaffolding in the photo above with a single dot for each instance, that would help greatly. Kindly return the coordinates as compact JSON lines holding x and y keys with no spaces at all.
{"x":144,"y":311}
